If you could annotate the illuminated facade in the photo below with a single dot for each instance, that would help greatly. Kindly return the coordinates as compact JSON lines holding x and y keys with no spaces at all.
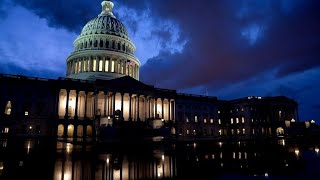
{"x":103,"y":97}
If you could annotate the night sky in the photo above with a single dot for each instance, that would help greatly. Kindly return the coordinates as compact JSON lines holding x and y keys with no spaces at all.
{"x":228,"y":48}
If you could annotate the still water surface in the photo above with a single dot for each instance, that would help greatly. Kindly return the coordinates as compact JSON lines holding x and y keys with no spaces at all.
{"x":268,"y":159}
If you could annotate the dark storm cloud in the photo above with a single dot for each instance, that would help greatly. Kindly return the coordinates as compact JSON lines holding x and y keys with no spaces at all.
{"x":69,"y":14}
{"x":218,"y":55}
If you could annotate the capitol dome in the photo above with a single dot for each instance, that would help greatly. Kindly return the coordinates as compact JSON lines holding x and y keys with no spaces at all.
{"x":103,"y":50}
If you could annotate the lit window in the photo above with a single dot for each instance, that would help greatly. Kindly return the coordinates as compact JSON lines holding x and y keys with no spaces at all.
{"x":219,"y":121}
{"x":242,"y":119}
{"x":232,"y":131}
{"x":237,"y":109}
{"x":218,"y":112}
{"x":112,"y":66}
{"x":188,"y":132}
{"x":106,"y":66}
{"x":237,"y":120}
{"x":94,"y":65}
{"x":26,"y":113}
{"x":242,"y":109}
{"x":252,"y":131}
{"x":251,"y":120}
{"x":85,"y":66}
{"x":243,"y":131}
{"x":231,"y":111}
{"x":88,"y":67}
{"x":238,"y":131}
{"x":195,"y":119}
{"x":79,"y":68}
{"x":194,"y":132}
{"x":100,"y":65}
{"x":204,"y":120}
{"x":211,"y":121}
{"x":187,"y":119}
{"x":7,"y":110}
{"x":6,"y":130}
{"x":220,"y":132}
{"x":231,"y":120}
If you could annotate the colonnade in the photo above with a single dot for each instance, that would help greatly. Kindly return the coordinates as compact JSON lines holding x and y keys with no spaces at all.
{"x":75,"y":104}
{"x":103,"y":64}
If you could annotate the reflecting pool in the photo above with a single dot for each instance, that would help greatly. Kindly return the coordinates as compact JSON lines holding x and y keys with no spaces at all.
{"x":271,"y":159}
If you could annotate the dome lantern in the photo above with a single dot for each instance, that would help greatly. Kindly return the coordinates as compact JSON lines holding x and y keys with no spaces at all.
{"x":107,"y":7}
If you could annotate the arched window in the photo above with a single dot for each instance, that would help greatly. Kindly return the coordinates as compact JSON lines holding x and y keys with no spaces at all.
{"x":7,"y":110}
{"x":80,"y":131}
{"x":86,"y":45}
{"x":70,"y":130}
{"x":123,"y":47}
{"x":101,"y":43}
{"x":113,"y":45}
{"x":60,"y":130}
{"x":119,"y":46}
{"x":107,"y":44}
{"x":89,"y":130}
{"x":81,"y":47}
{"x":90,"y":44}
{"x":95,"y":43}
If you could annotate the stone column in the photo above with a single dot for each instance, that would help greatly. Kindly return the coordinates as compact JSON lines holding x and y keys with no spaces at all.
{"x":174,"y":110}
{"x":155,"y":107}
{"x":76,"y":110}
{"x":162,"y":108}
{"x":85,"y":104}
{"x":67,"y":104}
{"x":95,"y":103}
{"x":138,"y":109}
{"x":105,"y":104}
{"x":122,"y":94}
{"x":125,"y":67}
{"x":169,"y":109}
{"x":114,"y":104}
{"x":130,"y":111}
{"x":110,"y":64}
{"x":149,"y":102}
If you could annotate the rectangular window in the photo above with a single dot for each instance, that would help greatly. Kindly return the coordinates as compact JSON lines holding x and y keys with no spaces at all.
{"x":243,"y":131}
{"x":251,"y":120}
{"x":94,"y":66}
{"x":219,"y":121}
{"x":220,"y":132}
{"x":187,"y":119}
{"x":85,"y":66}
{"x":26,"y":113}
{"x":204,"y":120}
{"x":232,"y":131}
{"x":6,"y":130}
{"x":188,"y":132}
{"x":252,"y":131}
{"x":231,"y":120}
{"x":237,"y":120}
{"x":238,"y":131}
{"x":242,"y":119}
{"x":106,"y":66}
{"x":79,"y":69}
{"x":242,"y":109}
{"x":112,"y":66}
{"x":218,"y":112}
{"x":100,"y":65}
{"x":196,"y":119}
{"x":211,"y":121}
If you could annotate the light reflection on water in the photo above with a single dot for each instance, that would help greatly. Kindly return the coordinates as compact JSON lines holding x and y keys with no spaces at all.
{"x":195,"y":160}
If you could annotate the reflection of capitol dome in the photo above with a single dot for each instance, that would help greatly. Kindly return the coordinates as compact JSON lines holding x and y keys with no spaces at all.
{"x":103,"y":50}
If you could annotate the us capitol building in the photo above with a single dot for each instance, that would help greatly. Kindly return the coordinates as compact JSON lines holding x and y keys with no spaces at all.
{"x":101,"y":98}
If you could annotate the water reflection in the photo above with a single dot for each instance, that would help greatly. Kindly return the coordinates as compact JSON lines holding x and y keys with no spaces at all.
{"x":205,"y":160}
